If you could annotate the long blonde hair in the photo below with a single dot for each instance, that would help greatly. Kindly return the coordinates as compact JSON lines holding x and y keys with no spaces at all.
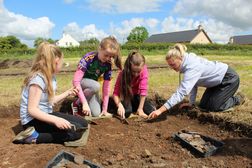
{"x":111,"y":43}
{"x":44,"y":64}
{"x":178,"y":50}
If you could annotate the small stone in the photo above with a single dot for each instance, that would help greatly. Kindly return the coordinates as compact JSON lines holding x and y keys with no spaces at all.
{"x":230,"y":147}
{"x":132,"y":156}
{"x":159,"y":165}
{"x":119,"y":157}
{"x":147,"y":152}
{"x":78,"y":159}
{"x":221,"y":163}
{"x":110,"y":162}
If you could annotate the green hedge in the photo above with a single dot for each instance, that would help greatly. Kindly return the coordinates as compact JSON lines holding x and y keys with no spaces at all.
{"x":201,"y":49}
{"x":145,"y":48}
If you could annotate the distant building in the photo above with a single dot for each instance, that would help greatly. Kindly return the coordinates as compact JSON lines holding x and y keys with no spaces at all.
{"x":67,"y":41}
{"x":189,"y":36}
{"x":244,"y":39}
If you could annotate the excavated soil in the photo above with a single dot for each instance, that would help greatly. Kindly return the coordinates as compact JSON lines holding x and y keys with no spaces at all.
{"x":139,"y":144}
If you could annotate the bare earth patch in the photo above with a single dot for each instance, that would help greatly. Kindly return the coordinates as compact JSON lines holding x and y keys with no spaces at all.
{"x":139,"y":144}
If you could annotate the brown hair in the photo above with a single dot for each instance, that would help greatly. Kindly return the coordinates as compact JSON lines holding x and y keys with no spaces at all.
{"x":44,"y":64}
{"x":111,"y":43}
{"x":134,"y":58}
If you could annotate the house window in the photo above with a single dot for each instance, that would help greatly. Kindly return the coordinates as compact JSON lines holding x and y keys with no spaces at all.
{"x":71,"y":44}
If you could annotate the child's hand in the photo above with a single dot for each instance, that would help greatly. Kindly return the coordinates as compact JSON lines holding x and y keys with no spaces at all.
{"x":105,"y":113}
{"x":121,"y":111}
{"x":73,"y":91}
{"x":85,"y":109}
{"x":141,"y":113}
{"x":61,"y":123}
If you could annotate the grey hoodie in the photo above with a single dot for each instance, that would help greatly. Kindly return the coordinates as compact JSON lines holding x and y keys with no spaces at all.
{"x":197,"y":72}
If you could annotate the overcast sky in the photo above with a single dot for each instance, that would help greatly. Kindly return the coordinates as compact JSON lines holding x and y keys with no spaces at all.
{"x":29,"y":19}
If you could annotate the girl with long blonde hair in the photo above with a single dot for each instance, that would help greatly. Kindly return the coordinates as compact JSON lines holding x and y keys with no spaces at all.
{"x":41,"y":124}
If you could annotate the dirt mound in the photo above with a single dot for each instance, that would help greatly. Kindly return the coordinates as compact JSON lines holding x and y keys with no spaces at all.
{"x":139,"y":144}
{"x":203,"y":117}
{"x":15,"y":63}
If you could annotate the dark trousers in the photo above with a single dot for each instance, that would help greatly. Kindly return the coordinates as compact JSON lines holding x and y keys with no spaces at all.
{"x":134,"y":103}
{"x":51,"y":134}
{"x":221,"y":97}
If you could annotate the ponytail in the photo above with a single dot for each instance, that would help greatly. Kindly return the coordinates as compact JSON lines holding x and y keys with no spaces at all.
{"x":178,"y":50}
{"x":134,"y":58}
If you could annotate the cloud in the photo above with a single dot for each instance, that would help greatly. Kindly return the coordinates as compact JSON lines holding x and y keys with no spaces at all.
{"x":152,"y":23}
{"x":122,"y":30}
{"x":23,"y":27}
{"x":68,"y":1}
{"x":171,"y":24}
{"x":125,"y":6}
{"x":217,"y":31}
{"x":237,"y":13}
{"x":87,"y":32}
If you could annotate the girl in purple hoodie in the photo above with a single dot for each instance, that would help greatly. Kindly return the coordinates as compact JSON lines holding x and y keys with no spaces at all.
{"x":92,"y":66}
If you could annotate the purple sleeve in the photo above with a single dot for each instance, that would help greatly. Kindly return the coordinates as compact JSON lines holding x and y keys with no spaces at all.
{"x":143,"y":84}
{"x":107,"y":74}
{"x":85,"y":61}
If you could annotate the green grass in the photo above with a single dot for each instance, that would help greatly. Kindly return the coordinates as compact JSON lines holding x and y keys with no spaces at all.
{"x":163,"y":81}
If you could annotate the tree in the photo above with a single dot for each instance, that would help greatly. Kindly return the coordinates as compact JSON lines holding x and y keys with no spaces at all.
{"x":40,"y":40}
{"x":10,"y":42}
{"x":138,"y":35}
{"x":13,"y":41}
{"x":92,"y":41}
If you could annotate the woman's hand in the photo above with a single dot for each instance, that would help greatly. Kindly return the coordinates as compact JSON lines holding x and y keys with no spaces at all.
{"x":85,"y":109}
{"x":121,"y":110}
{"x":141,"y":113}
{"x":62,"y":123}
{"x":154,"y":114}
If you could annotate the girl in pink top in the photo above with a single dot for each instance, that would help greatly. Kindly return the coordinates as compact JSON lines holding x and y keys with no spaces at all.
{"x":131,"y":88}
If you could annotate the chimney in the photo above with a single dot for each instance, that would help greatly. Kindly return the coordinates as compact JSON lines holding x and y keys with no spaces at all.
{"x":200,"y":27}
{"x":64,"y":34}
{"x":231,"y":40}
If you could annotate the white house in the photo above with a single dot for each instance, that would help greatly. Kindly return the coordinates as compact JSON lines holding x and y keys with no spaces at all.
{"x":67,"y":41}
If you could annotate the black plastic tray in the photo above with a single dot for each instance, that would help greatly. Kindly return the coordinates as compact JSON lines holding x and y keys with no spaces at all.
{"x":216,"y":143}
{"x":69,"y":157}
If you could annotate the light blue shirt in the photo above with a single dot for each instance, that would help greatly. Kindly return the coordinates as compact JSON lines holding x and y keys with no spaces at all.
{"x":197,"y":72}
{"x":43,"y":105}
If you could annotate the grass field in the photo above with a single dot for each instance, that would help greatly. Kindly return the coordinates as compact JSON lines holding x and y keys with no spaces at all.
{"x":162,"y":81}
